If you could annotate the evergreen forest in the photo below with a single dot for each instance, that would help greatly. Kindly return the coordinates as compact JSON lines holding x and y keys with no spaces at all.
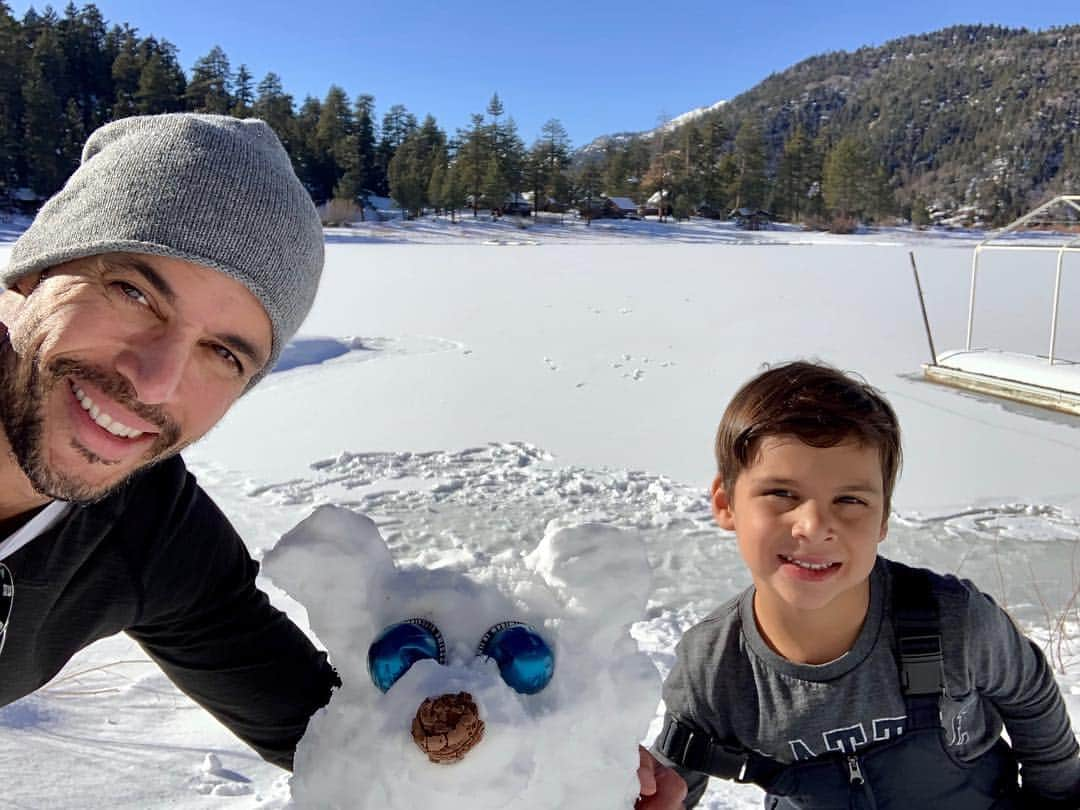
{"x":983,"y":121}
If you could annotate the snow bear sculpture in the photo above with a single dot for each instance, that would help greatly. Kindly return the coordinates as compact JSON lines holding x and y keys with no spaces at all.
{"x":537,"y":644}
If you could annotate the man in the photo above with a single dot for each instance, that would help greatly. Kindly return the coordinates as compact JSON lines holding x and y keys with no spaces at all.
{"x":159,"y":285}
{"x":151,"y":292}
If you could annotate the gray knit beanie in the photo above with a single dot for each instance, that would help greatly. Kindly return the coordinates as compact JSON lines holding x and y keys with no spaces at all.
{"x":209,"y":189}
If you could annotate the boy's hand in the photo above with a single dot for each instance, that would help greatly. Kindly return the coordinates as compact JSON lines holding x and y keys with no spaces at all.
{"x":661,"y":787}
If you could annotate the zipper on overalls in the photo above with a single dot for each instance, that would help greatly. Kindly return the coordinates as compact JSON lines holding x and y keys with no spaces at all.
{"x":861,"y":795}
{"x":855,"y":776}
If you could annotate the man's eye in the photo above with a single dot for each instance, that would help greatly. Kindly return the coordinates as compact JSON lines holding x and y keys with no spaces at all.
{"x":780,"y":493}
{"x":850,"y":499}
{"x":229,"y":357}
{"x":132,"y":292}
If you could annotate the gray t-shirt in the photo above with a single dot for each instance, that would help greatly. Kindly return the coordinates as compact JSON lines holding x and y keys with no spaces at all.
{"x":728,"y":682}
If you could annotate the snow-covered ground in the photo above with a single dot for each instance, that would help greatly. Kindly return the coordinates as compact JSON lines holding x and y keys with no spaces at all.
{"x":557,"y":229}
{"x":466,"y":384}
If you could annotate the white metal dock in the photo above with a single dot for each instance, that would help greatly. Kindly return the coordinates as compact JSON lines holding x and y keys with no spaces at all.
{"x":1048,"y":381}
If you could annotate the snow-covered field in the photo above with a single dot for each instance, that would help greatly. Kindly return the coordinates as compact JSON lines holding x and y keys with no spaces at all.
{"x":465,"y":384}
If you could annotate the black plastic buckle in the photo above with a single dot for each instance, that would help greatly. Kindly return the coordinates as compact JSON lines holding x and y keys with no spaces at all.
{"x":696,"y":751}
{"x":677,"y":743}
{"x":922,"y":669}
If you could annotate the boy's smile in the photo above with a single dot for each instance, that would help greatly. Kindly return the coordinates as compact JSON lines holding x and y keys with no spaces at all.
{"x":808,"y":521}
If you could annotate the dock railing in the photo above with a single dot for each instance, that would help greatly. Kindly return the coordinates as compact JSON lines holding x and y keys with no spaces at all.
{"x":1070,"y":244}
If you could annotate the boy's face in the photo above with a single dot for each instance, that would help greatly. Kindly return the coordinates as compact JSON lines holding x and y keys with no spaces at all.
{"x":808,"y":521}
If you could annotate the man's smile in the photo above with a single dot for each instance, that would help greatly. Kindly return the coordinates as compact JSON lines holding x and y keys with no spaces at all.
{"x":109,"y":423}
{"x":105,"y":428}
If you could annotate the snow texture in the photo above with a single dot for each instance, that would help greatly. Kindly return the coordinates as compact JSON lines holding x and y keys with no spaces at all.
{"x":445,"y":422}
{"x":581,"y":587}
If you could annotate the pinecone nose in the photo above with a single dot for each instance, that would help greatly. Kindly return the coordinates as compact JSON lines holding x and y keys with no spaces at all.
{"x":447,"y":727}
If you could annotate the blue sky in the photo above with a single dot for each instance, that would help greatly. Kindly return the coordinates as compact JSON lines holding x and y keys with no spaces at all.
{"x":599,"y":67}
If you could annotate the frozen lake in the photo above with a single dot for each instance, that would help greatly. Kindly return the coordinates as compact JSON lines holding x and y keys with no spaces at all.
{"x":472,"y":392}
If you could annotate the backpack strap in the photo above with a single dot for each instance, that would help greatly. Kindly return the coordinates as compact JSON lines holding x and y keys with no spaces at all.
{"x":917,"y":628}
{"x":691,"y":748}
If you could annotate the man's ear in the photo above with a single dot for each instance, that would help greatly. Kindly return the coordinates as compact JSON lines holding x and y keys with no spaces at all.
{"x":722,"y":510}
{"x":25,"y":284}
{"x":10,"y":303}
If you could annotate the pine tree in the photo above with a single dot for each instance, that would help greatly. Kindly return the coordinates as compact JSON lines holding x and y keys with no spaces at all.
{"x":792,"y":177}
{"x":10,"y":101}
{"x":161,"y":81}
{"x":495,"y":108}
{"x":74,"y":136}
{"x":275,"y":107}
{"x":334,"y":147}
{"x":304,"y":152}
{"x":510,"y":152}
{"x":42,"y":109}
{"x":750,"y":181}
{"x":408,"y":182}
{"x":210,"y":87}
{"x":536,"y":175}
{"x":841,"y":181}
{"x":552,"y":148}
{"x":437,"y":184}
{"x":473,"y":158}
{"x":413,"y":165}
{"x":453,"y":191}
{"x":715,"y":184}
{"x":397,"y":124}
{"x":853,"y":183}
{"x":366,"y":176}
{"x":88,"y":80}
{"x":126,"y":72}
{"x":243,"y":98}
{"x":496,"y":187}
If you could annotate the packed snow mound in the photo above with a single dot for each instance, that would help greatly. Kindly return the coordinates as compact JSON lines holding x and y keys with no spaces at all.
{"x":572,"y":742}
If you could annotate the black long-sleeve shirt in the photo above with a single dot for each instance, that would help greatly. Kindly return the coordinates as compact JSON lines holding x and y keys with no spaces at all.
{"x":158,"y":560}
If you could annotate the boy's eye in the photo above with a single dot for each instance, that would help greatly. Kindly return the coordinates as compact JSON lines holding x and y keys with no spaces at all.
{"x":779,"y":493}
{"x":846,"y":499}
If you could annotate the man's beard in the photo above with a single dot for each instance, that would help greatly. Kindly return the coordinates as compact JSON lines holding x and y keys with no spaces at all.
{"x":25,"y":388}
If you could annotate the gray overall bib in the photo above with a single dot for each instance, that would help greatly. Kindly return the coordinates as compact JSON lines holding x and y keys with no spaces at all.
{"x":915,"y":770}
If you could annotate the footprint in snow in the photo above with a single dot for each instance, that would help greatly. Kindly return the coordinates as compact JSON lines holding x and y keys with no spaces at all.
{"x":214,"y":780}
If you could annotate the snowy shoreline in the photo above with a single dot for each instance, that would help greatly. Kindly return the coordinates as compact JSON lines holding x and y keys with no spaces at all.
{"x":464,"y":397}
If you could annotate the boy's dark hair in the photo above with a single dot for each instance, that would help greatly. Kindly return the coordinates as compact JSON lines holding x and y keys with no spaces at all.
{"x":818,"y":405}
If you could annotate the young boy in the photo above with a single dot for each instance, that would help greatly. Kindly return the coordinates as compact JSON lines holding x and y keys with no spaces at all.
{"x":839,"y":678}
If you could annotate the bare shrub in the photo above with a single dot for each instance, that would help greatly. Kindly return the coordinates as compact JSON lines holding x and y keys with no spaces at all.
{"x":843,"y":224}
{"x":339,"y":212}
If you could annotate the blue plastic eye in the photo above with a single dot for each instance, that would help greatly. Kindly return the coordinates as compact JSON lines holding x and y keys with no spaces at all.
{"x":400,"y":646}
{"x":525,"y":660}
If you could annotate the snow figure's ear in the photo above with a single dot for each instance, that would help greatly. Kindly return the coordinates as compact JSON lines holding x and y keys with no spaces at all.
{"x":596,"y":571}
{"x":334,"y":563}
